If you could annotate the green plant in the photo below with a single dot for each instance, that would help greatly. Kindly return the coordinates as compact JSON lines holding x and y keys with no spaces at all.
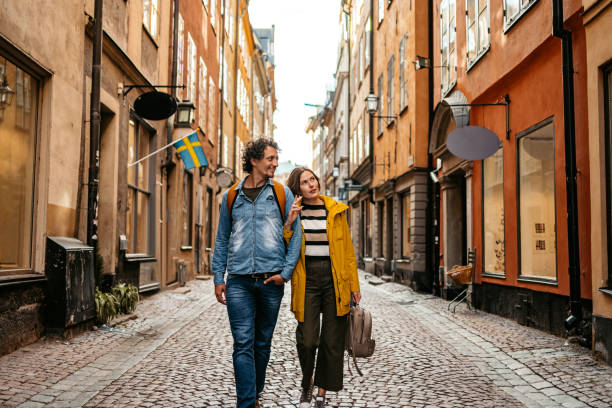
{"x":107,"y":306}
{"x":127,"y":297}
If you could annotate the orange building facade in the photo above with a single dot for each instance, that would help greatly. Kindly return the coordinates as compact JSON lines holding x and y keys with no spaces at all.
{"x":509,"y":211}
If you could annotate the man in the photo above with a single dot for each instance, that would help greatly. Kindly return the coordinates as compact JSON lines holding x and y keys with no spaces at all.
{"x":251,"y":248}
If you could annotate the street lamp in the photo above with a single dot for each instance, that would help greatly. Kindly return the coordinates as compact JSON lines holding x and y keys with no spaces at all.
{"x":421,"y":62}
{"x":372,"y":102}
{"x":185,"y":114}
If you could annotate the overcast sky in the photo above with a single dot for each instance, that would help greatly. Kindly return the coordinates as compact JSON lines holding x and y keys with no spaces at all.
{"x":306,"y":45}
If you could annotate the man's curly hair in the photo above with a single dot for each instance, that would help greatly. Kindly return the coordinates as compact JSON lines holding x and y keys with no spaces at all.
{"x":254,"y":149}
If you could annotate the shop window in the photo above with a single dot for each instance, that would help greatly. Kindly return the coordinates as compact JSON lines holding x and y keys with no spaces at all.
{"x":477,"y":24}
{"x":18,"y":112}
{"x":139,"y":230}
{"x":514,"y":9}
{"x":406,"y":209}
{"x":493,"y":214}
{"x":187,"y":210}
{"x":608,"y":142}
{"x":380,"y":216}
{"x":368,"y":228}
{"x":448,"y":45}
{"x":537,"y":222}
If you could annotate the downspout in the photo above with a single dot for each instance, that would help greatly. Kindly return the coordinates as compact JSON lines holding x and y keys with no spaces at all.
{"x":371,"y":119}
{"x":94,"y":139}
{"x":221,"y":88}
{"x":575,"y":318}
{"x":167,"y":165}
{"x":235,"y":85}
{"x":431,"y":246}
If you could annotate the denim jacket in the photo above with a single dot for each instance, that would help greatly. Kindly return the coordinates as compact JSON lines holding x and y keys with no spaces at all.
{"x":253,"y":241}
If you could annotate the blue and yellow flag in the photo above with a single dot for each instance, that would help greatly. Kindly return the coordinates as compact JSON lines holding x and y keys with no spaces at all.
{"x":191,"y":151}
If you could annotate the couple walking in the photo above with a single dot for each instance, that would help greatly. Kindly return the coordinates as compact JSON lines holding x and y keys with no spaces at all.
{"x":268,"y":235}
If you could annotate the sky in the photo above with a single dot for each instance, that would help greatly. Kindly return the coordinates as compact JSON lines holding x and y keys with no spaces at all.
{"x":305,"y":54}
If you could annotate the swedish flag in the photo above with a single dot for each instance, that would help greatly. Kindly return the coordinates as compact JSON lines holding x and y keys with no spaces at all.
{"x":191,"y":151}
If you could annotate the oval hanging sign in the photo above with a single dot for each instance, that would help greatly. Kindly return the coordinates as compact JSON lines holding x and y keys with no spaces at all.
{"x":472,"y":142}
{"x":155,"y":105}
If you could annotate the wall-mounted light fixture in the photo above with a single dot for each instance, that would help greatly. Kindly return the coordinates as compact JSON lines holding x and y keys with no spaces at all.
{"x":372,"y":101}
{"x":422,"y":62}
{"x":185,"y":114}
{"x":6,"y":95}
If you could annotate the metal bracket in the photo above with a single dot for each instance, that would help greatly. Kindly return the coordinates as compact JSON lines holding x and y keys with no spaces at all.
{"x":128,"y":88}
{"x":506,"y":103}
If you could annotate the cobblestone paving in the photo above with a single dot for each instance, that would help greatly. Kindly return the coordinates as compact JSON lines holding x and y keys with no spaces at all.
{"x":177,"y":353}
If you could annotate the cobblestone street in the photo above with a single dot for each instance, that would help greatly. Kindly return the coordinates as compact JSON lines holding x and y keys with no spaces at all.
{"x":177,"y":353}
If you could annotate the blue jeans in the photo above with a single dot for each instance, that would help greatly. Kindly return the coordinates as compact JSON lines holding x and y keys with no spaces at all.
{"x":252,"y":308}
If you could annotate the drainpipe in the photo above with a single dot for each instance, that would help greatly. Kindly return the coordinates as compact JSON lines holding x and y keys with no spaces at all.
{"x":94,"y":125}
{"x":574,"y":320}
{"x":170,"y":125}
{"x":432,"y":258}
{"x":221,"y":88}
{"x":371,"y":119}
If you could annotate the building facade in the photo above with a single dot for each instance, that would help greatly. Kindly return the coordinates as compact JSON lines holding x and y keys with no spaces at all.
{"x":500,"y":68}
{"x":597,"y":17}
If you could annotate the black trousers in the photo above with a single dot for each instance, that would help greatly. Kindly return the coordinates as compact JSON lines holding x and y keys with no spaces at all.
{"x":328,"y":338}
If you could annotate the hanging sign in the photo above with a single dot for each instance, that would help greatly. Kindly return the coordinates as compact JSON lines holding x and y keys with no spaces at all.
{"x":472,"y":142}
{"x":155,"y":105}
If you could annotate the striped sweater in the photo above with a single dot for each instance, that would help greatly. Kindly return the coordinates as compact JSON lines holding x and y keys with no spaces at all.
{"x":314,"y":221}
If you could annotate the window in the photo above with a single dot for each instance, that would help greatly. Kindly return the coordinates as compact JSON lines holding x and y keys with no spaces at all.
{"x":493,"y":222}
{"x":238,"y":164}
{"x":608,"y":143}
{"x":381,"y":98}
{"x":187,"y":209}
{"x":202,"y":95}
{"x":537,"y":227}
{"x":368,"y":224}
{"x":359,"y":141}
{"x":403,"y":67}
{"x":17,"y":178}
{"x":212,"y":12}
{"x":381,"y":10}
{"x":448,"y":45}
{"x":362,"y":62}
{"x":227,"y":149}
{"x":226,"y":17}
{"x":381,"y":212}
{"x":211,"y":108}
{"x":477,"y":23}
{"x":366,"y":133}
{"x":390,"y":90}
{"x":368,"y":36}
{"x":192,"y":68}
{"x":406,"y":209}
{"x":180,"y":48}
{"x":141,"y":180}
{"x":514,"y":9}
{"x":151,"y":16}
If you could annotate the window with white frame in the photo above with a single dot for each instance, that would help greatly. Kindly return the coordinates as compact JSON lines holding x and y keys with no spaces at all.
{"x":403,"y":77}
{"x":362,"y":60}
{"x":226,"y":17}
{"x":191,"y":68}
{"x":381,"y":99}
{"x":367,"y":41}
{"x":514,"y":9}
{"x":213,"y":13}
{"x":390,"y":86}
{"x":477,"y":27}
{"x":180,"y":50}
{"x":366,"y":133}
{"x":202,"y":95}
{"x":151,"y":17}
{"x":381,"y":10}
{"x":448,"y":42}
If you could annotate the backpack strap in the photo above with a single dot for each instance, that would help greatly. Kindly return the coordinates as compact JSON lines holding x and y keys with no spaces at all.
{"x":231,"y":198}
{"x":279,"y":195}
{"x":281,"y":200}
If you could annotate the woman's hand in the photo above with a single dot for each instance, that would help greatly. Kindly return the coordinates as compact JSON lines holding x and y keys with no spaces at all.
{"x":356,"y":297}
{"x":294,"y":212}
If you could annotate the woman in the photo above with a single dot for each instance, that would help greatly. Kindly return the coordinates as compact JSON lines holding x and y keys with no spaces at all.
{"x":324,"y":281}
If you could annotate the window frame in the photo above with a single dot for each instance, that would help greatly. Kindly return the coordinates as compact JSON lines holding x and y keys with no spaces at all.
{"x":37,"y":75}
{"x":381,"y":98}
{"x":147,"y":19}
{"x":138,"y":121}
{"x":445,"y":88}
{"x":391,"y":90}
{"x":520,"y":277}
{"x":403,"y":79}
{"x":187,"y":244}
{"x":607,"y":72}
{"x":381,"y":11}
{"x":482,"y":201}
{"x":470,"y":63}
{"x":406,"y":194}
{"x":522,"y":10}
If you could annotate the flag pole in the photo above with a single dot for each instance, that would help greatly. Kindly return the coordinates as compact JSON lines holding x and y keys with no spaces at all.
{"x":160,"y":149}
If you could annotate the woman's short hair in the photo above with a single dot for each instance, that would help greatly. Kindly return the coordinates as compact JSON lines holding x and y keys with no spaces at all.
{"x":254,"y":149}
{"x":293,"y":182}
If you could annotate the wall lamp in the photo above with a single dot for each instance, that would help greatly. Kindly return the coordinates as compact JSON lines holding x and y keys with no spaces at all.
{"x":422,"y":62}
{"x":6,"y":96}
{"x":372,"y":102}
